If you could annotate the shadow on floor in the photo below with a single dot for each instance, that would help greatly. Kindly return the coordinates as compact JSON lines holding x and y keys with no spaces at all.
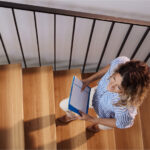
{"x":36,"y":124}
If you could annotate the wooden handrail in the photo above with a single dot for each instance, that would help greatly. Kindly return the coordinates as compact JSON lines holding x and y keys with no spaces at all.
{"x":73,"y":13}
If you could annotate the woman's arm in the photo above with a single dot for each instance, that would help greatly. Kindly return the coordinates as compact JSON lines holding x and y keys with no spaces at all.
{"x":98,"y":75}
{"x":94,"y":77}
{"x":111,"y":122}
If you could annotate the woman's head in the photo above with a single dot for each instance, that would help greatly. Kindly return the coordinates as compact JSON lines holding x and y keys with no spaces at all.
{"x":115,"y":83}
{"x":131,"y":80}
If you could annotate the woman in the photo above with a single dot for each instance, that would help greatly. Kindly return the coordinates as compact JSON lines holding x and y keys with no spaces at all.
{"x":119,"y":93}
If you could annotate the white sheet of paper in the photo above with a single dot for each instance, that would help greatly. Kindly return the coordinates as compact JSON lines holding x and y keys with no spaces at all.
{"x":79,"y":99}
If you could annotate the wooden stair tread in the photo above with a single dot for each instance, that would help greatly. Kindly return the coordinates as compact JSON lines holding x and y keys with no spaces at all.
{"x":103,"y":139}
{"x":39,"y":108}
{"x":145,"y":121}
{"x":72,"y":135}
{"x":11,"y":107}
{"x":130,"y":138}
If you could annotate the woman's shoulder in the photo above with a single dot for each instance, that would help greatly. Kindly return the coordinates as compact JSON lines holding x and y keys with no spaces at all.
{"x":114,"y":63}
{"x":120,"y":59}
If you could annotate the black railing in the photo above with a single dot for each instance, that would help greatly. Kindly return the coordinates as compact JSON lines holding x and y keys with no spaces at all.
{"x":4,"y":49}
{"x":125,"y":39}
{"x":37,"y":38}
{"x":19,"y":39}
{"x":104,"y":49}
{"x":75,"y":14}
{"x":73,"y":31}
{"x":140,"y":43}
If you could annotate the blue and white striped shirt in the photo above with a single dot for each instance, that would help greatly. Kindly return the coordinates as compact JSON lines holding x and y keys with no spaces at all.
{"x":103,"y":100}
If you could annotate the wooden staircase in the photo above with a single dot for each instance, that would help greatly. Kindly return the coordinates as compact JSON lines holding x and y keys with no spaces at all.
{"x":29,"y":108}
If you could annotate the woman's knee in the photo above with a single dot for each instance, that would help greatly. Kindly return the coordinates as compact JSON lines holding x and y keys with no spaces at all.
{"x":64,"y":104}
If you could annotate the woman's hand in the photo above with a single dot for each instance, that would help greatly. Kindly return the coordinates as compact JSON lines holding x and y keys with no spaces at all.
{"x":84,"y":116}
{"x":85,"y":84}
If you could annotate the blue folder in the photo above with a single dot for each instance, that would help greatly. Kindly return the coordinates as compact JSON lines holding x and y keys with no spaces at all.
{"x":72,"y":108}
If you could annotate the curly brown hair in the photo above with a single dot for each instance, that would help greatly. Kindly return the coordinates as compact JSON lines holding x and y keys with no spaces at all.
{"x":135,"y":83}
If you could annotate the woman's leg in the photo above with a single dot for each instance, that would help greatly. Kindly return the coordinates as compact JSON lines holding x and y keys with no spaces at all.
{"x":91,"y":96}
{"x":69,"y":116}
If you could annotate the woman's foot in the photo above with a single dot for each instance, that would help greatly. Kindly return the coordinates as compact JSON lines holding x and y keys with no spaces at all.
{"x":93,"y":128}
{"x":67,"y":119}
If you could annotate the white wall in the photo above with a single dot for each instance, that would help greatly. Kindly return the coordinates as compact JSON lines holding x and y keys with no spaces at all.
{"x":135,"y":9}
{"x":64,"y":27}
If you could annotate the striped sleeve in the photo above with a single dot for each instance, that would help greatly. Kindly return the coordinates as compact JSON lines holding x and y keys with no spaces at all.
{"x":119,"y":60}
{"x":123,"y":119}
